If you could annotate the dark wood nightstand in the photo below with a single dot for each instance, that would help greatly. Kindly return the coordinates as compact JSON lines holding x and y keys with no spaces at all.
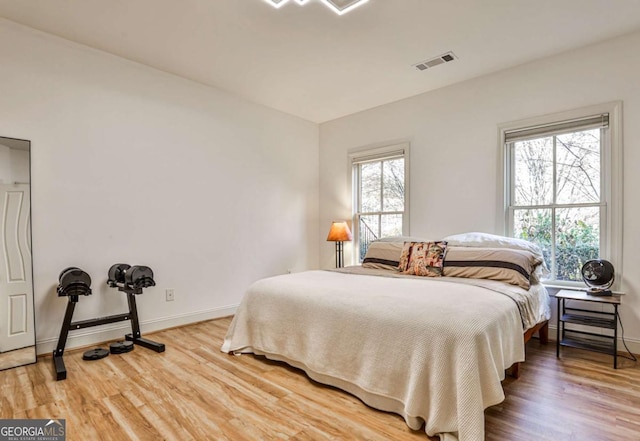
{"x":590,"y":341}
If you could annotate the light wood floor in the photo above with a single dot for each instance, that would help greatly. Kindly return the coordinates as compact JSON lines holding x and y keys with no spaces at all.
{"x":17,"y":357}
{"x":194,"y":392}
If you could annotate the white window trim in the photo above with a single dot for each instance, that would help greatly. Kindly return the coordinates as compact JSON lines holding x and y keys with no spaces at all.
{"x":612,"y":174}
{"x":375,"y":153}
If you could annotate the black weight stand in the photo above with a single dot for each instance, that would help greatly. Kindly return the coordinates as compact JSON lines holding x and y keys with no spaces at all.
{"x":135,"y":336}
{"x":131,"y":290}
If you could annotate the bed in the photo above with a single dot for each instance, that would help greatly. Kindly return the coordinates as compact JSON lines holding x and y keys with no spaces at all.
{"x":431,"y":349}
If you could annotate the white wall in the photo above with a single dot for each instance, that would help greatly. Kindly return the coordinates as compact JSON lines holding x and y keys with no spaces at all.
{"x":454,"y":148}
{"x":133,"y":165}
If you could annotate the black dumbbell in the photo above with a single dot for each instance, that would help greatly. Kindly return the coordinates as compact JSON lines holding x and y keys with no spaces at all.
{"x":73,"y":281}
{"x":116,"y":274}
{"x":139,"y":276}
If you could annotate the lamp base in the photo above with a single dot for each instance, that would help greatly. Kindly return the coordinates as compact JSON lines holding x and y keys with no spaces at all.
{"x":339,"y":254}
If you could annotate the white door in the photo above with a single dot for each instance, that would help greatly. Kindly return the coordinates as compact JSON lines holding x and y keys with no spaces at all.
{"x":16,"y":295}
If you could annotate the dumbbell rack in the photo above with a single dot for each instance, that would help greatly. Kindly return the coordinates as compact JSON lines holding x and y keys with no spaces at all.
{"x":132,"y":315}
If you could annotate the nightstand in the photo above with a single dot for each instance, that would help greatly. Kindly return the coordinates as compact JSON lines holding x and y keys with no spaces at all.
{"x":607,"y":344}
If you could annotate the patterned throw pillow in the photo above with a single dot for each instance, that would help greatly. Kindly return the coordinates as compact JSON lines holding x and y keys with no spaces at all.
{"x":422,"y":258}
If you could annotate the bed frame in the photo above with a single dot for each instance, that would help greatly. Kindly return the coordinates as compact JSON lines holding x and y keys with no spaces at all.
{"x":542,"y":329}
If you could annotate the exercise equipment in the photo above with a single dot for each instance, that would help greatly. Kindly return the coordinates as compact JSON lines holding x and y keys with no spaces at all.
{"x":121,"y":347}
{"x":130,"y":278}
{"x":74,"y":282}
{"x":116,"y":274}
{"x":95,"y":354}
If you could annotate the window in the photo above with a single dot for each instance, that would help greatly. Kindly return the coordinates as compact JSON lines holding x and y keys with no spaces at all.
{"x":379,"y":195}
{"x":563,"y":187}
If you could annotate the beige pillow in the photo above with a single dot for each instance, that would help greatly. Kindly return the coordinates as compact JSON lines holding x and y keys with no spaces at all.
{"x":383,"y":255}
{"x":486,"y":240}
{"x":503,"y":264}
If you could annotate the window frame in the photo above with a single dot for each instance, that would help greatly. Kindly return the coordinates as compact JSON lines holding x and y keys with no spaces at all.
{"x":374,"y":154}
{"x":611,"y":179}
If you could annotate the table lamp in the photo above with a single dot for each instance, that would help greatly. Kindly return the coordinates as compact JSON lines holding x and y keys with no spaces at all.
{"x":339,"y":233}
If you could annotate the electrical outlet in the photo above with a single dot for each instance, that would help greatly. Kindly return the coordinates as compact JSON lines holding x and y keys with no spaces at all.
{"x":169,"y":293}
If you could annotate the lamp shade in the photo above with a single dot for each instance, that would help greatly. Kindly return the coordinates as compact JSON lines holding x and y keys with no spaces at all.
{"x":339,"y":232}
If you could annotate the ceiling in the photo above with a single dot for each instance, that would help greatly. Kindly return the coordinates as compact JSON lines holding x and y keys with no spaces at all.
{"x":309,"y":62}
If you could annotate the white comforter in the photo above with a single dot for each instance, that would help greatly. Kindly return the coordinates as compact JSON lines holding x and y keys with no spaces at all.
{"x":431,"y":350}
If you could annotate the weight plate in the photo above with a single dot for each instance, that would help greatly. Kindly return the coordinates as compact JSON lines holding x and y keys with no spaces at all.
{"x":65,"y":270}
{"x":95,"y":354}
{"x":121,"y":347}
{"x":117,"y":272}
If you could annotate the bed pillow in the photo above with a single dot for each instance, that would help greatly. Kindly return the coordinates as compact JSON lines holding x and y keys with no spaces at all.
{"x":486,"y":240}
{"x":401,"y":239}
{"x":422,"y":258}
{"x":383,"y":255}
{"x":504,"y":264}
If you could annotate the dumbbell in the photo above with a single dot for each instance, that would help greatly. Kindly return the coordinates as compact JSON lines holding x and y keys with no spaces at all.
{"x":135,"y":277}
{"x":116,"y":274}
{"x":73,"y":282}
{"x":139,"y":276}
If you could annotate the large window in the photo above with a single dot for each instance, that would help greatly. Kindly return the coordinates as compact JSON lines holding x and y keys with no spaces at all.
{"x":560,"y":191}
{"x":379,"y":195}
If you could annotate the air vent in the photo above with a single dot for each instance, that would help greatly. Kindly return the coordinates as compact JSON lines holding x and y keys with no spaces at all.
{"x":433,"y":62}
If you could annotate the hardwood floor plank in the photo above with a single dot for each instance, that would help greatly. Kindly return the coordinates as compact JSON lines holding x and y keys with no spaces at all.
{"x":311,"y":435}
{"x":194,"y":392}
{"x":137,"y":427}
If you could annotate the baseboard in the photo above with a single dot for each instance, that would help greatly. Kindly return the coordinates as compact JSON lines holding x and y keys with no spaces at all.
{"x":104,"y":333}
{"x":632,"y":343}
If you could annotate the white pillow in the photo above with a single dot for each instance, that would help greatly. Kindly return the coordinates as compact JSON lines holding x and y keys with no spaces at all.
{"x":401,"y":239}
{"x":486,"y":240}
